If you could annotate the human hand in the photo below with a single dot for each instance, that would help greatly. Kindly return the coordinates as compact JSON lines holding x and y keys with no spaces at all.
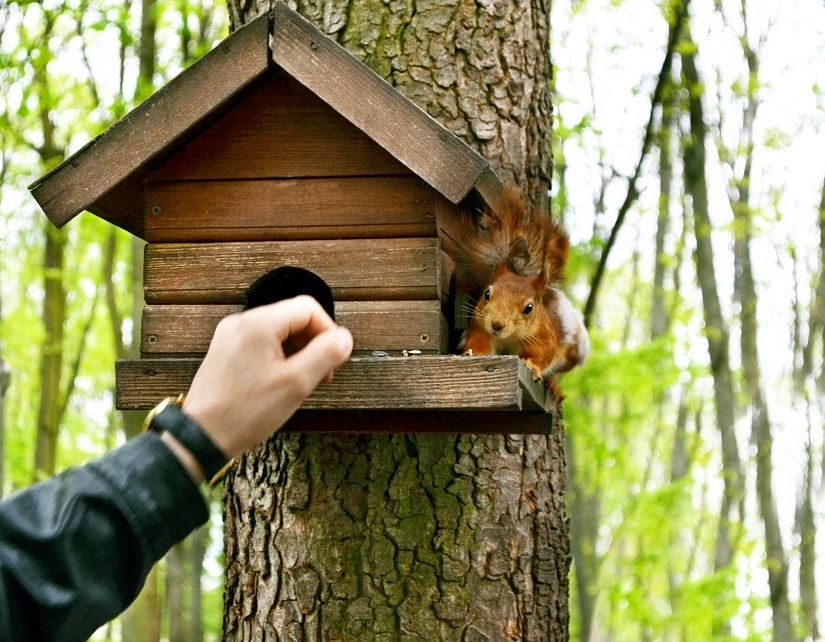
{"x":261,"y":365}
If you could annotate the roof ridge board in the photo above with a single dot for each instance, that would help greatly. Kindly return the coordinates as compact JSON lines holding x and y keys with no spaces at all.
{"x":401,"y":127}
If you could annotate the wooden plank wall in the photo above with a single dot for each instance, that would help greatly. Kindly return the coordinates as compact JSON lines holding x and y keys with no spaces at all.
{"x":284,"y":165}
{"x":355,"y":269}
{"x":291,"y":208}
{"x":283,"y":179}
{"x":387,"y":326}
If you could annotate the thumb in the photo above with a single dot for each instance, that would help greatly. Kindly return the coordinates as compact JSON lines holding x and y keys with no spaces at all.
{"x":326,"y":351}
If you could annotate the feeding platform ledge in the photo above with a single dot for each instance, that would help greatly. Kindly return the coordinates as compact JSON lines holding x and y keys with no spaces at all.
{"x":434,"y":394}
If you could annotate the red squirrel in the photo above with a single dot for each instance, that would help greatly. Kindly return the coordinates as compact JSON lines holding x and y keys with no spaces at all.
{"x":515,"y":258}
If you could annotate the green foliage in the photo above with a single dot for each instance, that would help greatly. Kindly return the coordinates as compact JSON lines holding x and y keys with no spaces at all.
{"x":645,"y":459}
{"x":62,"y":83}
{"x":68,"y":70}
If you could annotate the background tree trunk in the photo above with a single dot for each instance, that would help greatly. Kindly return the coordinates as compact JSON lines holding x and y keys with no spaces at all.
{"x":51,"y":355}
{"x":5,"y":379}
{"x":716,"y":327}
{"x":585,"y":507}
{"x":806,"y":526}
{"x":175,"y":588}
{"x":141,"y":622}
{"x":5,"y":370}
{"x":430,"y":537}
{"x":197,"y":553}
{"x":54,"y":296}
{"x":776,"y":562}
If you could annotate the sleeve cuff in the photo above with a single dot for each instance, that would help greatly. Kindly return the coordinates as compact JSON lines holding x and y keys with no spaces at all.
{"x":154,"y":491}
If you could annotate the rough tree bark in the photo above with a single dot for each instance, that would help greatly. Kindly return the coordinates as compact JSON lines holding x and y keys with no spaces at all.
{"x":414,"y":537}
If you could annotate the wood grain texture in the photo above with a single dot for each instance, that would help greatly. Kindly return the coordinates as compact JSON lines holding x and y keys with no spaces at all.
{"x":389,"y":383}
{"x":360,"y":269}
{"x":390,"y":326}
{"x":155,"y":125}
{"x":375,"y":107}
{"x":279,"y":129}
{"x":323,"y":208}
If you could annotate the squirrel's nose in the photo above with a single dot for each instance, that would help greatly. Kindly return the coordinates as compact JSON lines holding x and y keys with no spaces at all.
{"x":497,"y":326}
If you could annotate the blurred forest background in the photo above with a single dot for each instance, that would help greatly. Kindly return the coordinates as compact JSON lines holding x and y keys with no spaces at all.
{"x":690,"y":174}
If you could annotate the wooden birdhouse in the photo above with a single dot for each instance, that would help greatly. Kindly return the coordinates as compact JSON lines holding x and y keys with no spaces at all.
{"x":280,"y":148}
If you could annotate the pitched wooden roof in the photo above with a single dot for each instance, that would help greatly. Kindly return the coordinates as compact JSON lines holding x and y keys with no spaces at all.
{"x":106,"y":176}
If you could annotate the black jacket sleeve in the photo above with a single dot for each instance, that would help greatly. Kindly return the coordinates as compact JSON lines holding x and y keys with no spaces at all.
{"x":75,"y":550}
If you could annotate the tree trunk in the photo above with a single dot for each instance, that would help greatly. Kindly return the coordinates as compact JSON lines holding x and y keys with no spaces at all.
{"x":396,"y":537}
{"x":51,"y":355}
{"x":585,"y":502}
{"x":184,"y":566}
{"x":807,"y":546}
{"x":805,"y":378}
{"x":54,"y":295}
{"x":197,"y":554}
{"x":175,"y":589}
{"x":415,"y":537}
{"x":816,"y":319}
{"x":776,"y":562}
{"x":141,"y":622}
{"x":659,"y":317}
{"x":5,"y":379}
{"x":716,"y":331}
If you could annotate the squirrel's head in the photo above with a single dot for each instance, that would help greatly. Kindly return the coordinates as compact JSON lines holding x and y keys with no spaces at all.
{"x":511,"y":303}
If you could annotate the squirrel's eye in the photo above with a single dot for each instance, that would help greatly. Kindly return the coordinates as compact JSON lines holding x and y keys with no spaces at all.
{"x":487,"y":294}
{"x":527,"y":309}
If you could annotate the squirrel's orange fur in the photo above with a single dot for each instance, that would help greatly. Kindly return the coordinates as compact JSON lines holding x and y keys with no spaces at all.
{"x":514,"y":260}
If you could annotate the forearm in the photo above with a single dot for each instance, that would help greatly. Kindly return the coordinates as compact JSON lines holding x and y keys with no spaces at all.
{"x":75,"y":550}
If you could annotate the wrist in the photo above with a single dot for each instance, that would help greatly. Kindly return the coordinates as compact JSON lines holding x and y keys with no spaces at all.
{"x":186,"y":458}
{"x":198,"y":454}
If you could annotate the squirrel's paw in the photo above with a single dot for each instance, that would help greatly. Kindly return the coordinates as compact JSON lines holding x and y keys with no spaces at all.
{"x":535,"y":369}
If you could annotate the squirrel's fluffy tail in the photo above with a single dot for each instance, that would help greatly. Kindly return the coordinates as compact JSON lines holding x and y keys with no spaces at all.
{"x":527,"y":241}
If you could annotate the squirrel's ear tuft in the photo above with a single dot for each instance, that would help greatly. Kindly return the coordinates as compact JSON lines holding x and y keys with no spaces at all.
{"x":557,"y":247}
{"x":518,"y":260}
